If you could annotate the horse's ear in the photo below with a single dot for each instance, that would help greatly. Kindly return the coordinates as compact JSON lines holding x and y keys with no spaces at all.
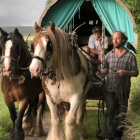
{"x":3,"y":32}
{"x":52,"y":26}
{"x":37,"y":28}
{"x":16,"y":31}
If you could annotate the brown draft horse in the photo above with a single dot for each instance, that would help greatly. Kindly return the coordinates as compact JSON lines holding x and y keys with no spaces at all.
{"x":16,"y":82}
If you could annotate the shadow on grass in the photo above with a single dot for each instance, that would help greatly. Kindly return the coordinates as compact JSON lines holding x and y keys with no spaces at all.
{"x":91,"y":124}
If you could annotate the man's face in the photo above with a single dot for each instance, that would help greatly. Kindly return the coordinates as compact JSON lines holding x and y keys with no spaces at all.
{"x":117,"y":40}
{"x":97,"y":36}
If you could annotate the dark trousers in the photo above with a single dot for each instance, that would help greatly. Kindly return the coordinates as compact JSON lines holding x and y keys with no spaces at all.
{"x":115,"y":115}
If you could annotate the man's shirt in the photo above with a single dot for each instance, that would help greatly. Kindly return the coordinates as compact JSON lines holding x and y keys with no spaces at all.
{"x":126,"y":62}
{"x":93,"y":43}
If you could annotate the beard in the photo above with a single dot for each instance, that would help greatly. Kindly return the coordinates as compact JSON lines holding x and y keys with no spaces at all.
{"x":118,"y":45}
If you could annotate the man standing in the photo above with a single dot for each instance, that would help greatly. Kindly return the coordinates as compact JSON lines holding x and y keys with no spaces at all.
{"x":120,"y":65}
{"x":95,"y":44}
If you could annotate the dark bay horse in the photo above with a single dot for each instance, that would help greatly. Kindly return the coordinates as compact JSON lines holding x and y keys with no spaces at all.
{"x":16,"y":82}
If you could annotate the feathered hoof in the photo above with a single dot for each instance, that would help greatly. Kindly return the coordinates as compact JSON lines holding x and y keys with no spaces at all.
{"x":74,"y":132}
{"x":38,"y":132}
{"x":20,"y":136}
{"x":55,"y":133}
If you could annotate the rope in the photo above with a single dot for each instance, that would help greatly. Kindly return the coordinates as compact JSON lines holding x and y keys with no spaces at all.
{"x":96,"y":59}
{"x":24,"y":68}
{"x":9,"y":57}
{"x":78,"y":27}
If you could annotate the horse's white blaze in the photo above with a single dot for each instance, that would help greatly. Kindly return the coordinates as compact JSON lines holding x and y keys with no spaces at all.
{"x":38,"y":52}
{"x":7,"y":61}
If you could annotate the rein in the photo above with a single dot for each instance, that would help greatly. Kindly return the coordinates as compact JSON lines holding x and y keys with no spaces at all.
{"x":95,"y":59}
{"x":8,"y":57}
{"x":14,"y":60}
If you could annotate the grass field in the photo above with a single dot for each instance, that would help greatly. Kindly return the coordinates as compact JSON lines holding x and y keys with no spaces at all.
{"x":5,"y":121}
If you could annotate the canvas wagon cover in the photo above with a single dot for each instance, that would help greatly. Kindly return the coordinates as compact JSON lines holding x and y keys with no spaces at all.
{"x":113,"y":13}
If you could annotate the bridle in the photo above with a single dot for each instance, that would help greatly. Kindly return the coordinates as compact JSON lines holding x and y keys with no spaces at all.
{"x":49,"y":48}
{"x":21,"y":44}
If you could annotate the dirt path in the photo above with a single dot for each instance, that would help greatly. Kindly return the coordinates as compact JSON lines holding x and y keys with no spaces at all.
{"x":46,"y":126}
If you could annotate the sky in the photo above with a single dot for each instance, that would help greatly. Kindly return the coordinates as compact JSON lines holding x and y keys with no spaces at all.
{"x":20,"y":12}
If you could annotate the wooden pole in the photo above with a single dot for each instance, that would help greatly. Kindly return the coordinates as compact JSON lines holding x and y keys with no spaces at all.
{"x":103,"y":44}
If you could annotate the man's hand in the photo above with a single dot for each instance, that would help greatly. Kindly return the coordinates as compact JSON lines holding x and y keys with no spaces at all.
{"x":105,"y":71}
{"x":100,"y":39}
{"x":122,"y":73}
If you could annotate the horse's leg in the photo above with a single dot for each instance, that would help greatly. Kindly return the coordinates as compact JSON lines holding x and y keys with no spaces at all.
{"x":13,"y":114}
{"x":38,"y":127}
{"x":29,"y":118}
{"x":80,"y":112}
{"x":27,"y":123}
{"x":72,"y":130}
{"x":19,"y":135}
{"x":56,"y":132}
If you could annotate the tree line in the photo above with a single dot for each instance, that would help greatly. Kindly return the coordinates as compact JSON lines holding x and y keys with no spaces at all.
{"x":134,"y":7}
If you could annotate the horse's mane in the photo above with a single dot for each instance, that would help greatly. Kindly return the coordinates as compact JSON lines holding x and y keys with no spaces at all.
{"x":17,"y":38}
{"x":2,"y":41}
{"x":61,"y":53}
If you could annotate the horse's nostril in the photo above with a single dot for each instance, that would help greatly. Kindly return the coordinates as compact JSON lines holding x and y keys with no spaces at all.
{"x":37,"y":70}
{"x":9,"y":69}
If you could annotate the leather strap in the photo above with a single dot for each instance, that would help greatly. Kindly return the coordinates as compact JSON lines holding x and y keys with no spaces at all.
{"x":39,"y":58}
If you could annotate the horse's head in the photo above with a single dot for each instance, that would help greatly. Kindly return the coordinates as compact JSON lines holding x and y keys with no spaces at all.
{"x":11,"y":50}
{"x":42,"y":48}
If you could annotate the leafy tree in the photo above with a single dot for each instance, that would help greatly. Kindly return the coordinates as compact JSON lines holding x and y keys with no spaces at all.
{"x":48,"y":2}
{"x":134,"y":7}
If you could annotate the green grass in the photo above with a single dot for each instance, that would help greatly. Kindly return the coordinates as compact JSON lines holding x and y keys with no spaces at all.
{"x":91,"y":124}
{"x":5,"y":121}
{"x":91,"y":104}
